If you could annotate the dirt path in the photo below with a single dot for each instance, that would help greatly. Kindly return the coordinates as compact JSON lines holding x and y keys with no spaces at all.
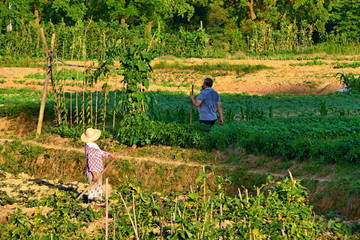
{"x":231,"y":167}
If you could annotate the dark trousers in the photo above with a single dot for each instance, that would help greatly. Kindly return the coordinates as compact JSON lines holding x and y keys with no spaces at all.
{"x":209,"y":124}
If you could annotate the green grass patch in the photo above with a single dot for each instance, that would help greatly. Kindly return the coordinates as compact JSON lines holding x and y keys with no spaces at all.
{"x":347,"y":65}
{"x":22,"y":63}
{"x":206,"y":67}
{"x":311,"y":63}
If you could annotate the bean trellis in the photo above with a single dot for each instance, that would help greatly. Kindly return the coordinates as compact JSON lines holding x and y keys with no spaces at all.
{"x":135,"y":63}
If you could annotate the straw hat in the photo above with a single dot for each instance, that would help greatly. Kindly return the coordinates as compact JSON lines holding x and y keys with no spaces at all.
{"x":90,"y":135}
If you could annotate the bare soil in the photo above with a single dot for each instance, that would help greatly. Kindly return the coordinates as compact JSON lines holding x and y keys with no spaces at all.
{"x":282,"y":79}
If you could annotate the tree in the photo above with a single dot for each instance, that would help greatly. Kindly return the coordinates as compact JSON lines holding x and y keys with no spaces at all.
{"x":121,"y":9}
{"x":20,"y":10}
{"x":71,"y":11}
{"x":272,"y":11}
{"x":345,"y":17}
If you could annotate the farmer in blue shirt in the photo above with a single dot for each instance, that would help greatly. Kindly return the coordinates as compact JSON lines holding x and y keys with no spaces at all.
{"x":207,"y":103}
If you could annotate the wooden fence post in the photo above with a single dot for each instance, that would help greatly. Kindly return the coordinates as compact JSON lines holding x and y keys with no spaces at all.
{"x":48,"y":72}
{"x":191,"y":105}
{"x":107,"y":210}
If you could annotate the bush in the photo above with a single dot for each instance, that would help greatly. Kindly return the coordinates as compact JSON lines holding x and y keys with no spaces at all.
{"x":350,"y":81}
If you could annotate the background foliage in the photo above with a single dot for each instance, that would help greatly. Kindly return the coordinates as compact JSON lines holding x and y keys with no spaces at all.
{"x":256,"y":27}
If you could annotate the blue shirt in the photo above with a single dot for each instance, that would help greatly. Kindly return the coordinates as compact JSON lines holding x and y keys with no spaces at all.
{"x":209,"y":98}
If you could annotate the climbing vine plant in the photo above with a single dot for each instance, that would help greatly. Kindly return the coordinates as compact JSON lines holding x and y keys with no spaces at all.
{"x":135,"y":68}
{"x":135,"y":62}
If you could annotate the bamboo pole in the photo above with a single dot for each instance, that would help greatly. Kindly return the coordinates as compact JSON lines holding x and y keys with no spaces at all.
{"x":91,"y":108}
{"x":132,"y":223}
{"x":203,"y":230}
{"x":240,"y":195}
{"x":48,"y":70}
{"x":105,"y":104}
{"x":114,"y":225}
{"x":204,"y":186}
{"x":56,"y":98}
{"x":71,"y":77}
{"x":83,"y":107}
{"x":64,"y":99}
{"x":220,"y":220}
{"x":114,"y":107}
{"x":191,"y":105}
{"x":96,"y":108}
{"x":71,"y":109}
{"x":77,"y":84}
{"x":107,"y":210}
{"x":134,"y":211}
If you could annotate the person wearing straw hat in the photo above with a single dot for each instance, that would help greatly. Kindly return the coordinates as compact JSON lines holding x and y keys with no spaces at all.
{"x":94,"y":163}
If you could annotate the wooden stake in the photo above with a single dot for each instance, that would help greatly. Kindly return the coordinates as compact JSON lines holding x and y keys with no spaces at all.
{"x":152,"y":39}
{"x":104,"y":110}
{"x":77,"y":84}
{"x":132,"y":223}
{"x":96,"y":108}
{"x":83,"y":108}
{"x":64,"y":99}
{"x":247,"y":195}
{"x":114,"y":224}
{"x":91,"y":109}
{"x":134,"y":211}
{"x":71,"y":109}
{"x":71,"y":72}
{"x":202,"y":232}
{"x":191,"y":105}
{"x":204,"y":186}
{"x":56,"y":99}
{"x":240,"y":195}
{"x":220,"y":221}
{"x":48,"y":70}
{"x":107,"y":211}
{"x":114,"y":108}
{"x":201,"y":25}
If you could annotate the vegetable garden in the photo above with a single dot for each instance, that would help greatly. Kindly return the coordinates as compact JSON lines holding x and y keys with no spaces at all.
{"x":312,"y":130}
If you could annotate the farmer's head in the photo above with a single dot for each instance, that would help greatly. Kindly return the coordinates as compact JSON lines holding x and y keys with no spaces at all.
{"x":91,"y":135}
{"x":208,"y":82}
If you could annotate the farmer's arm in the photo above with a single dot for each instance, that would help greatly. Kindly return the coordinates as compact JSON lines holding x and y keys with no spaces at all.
{"x":219,"y":109}
{"x":106,"y":155}
{"x":196,"y":103}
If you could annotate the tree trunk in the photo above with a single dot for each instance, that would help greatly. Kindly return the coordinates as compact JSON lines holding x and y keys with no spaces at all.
{"x":36,"y":14}
{"x":251,"y":8}
{"x":122,"y":21}
{"x":150,"y":24}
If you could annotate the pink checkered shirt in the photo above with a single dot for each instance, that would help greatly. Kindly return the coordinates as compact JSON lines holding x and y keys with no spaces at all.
{"x":94,"y":159}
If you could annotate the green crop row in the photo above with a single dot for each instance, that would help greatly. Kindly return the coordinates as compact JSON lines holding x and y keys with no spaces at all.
{"x":347,"y":65}
{"x":336,"y":65}
{"x":206,"y":67}
{"x":327,"y":139}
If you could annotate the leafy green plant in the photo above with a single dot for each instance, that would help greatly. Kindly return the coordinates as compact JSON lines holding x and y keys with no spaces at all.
{"x":350,"y":81}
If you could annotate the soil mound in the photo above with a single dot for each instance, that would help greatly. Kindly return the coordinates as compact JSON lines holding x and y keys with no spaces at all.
{"x":239,"y":55}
